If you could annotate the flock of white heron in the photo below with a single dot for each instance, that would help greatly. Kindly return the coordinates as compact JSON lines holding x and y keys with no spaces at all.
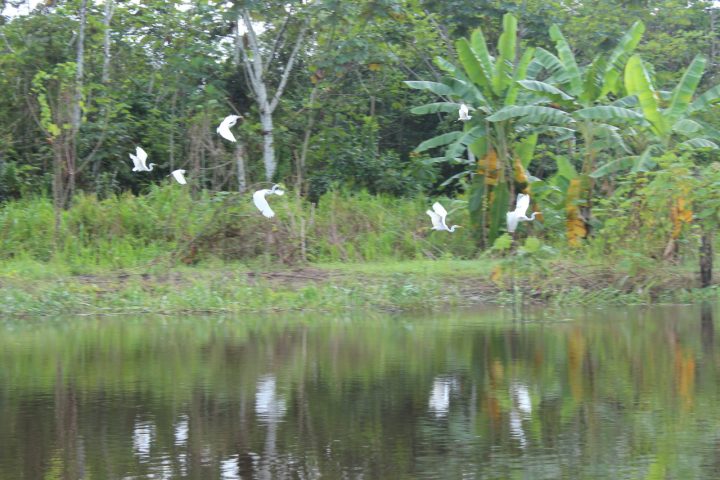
{"x":437,"y":214}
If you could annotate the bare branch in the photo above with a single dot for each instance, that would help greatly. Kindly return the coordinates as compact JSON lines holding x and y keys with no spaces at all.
{"x":288,"y":68}
{"x":279,"y":41}
{"x":257,"y":58}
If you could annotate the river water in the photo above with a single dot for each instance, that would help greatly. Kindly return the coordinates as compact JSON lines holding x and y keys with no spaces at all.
{"x":613,"y":393}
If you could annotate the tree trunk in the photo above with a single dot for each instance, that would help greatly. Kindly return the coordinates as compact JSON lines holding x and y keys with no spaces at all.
{"x":76,"y":117}
{"x":240,"y":161}
{"x":256,"y":70}
{"x":268,"y":148}
{"x":306,"y":140}
{"x":706,"y":258}
{"x":106,"y":41}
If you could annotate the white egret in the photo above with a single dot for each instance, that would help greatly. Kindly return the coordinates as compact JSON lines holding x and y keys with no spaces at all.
{"x":261,"y":202}
{"x":224,"y":128}
{"x":438,"y":218}
{"x":179,"y":176}
{"x":519,"y":214}
{"x":464,"y":113}
{"x":139,"y":160}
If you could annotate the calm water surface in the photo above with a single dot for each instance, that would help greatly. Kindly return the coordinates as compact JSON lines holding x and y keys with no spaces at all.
{"x":626,"y":393}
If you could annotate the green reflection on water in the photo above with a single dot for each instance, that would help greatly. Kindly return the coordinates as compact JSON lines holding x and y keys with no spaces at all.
{"x":611,"y":394}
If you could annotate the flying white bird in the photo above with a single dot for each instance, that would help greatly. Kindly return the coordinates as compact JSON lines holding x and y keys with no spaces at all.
{"x":519,"y":214}
{"x":179,"y":176}
{"x":438,"y":218}
{"x":224,"y":128}
{"x":261,"y":202}
{"x":464,"y":113}
{"x":139,"y":161}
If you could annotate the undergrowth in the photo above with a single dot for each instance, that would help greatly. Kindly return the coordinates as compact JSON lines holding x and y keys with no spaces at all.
{"x":168,"y":224}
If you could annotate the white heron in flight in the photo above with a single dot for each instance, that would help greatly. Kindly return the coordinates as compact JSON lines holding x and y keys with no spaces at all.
{"x":464,"y":113}
{"x":179,"y":175}
{"x":261,"y":202}
{"x":438,"y":218}
{"x":139,"y":160}
{"x":519,"y":214}
{"x":224,"y":128}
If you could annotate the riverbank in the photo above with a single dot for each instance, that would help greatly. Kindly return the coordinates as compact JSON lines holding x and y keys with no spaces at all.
{"x":32,"y":289}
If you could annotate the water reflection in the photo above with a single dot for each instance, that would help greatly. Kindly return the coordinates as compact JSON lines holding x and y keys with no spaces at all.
{"x":143,"y":434}
{"x":623,"y":394}
{"x":439,"y":402}
{"x":269,"y":406}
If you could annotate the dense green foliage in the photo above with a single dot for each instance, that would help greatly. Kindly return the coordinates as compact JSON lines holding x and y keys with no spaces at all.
{"x":607,"y":119}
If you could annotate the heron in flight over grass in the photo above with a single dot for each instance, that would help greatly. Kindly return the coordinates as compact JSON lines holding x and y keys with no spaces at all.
{"x":224,"y":128}
{"x":261,"y":202}
{"x":139,"y":160}
{"x":437,"y":216}
{"x":179,"y":176}
{"x":520,"y":213}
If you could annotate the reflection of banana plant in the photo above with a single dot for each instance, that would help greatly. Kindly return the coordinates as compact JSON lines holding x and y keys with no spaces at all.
{"x":573,"y":93}
{"x":488,"y":84}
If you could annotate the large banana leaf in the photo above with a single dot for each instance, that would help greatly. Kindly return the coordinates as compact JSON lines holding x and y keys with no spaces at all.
{"x":520,"y":72}
{"x":448,"y":67}
{"x":700,"y":143}
{"x":479,"y":46}
{"x":525,"y":149}
{"x":637,"y":82}
{"x":536,"y":112}
{"x":617,"y":165}
{"x":472,"y":64}
{"x":506,"y":54}
{"x":440,"y":140}
{"x":707,"y":99}
{"x":687,"y":127}
{"x":622,"y":50}
{"x":608,"y":113}
{"x":446,"y":107}
{"x":545,"y":89}
{"x":435,"y":87}
{"x":468,"y":137}
{"x":630,"y":101}
{"x":568,"y":60}
{"x":684,"y":91}
{"x":592,"y":81}
{"x":565,"y":169}
{"x":549,"y":61}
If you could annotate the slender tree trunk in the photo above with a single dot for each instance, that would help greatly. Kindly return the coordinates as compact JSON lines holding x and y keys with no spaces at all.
{"x":256,"y":68}
{"x":240,"y":162}
{"x":706,"y":258}
{"x":109,"y":8}
{"x":57,"y":191}
{"x":77,"y":100}
{"x":306,"y":140}
{"x":268,"y":148}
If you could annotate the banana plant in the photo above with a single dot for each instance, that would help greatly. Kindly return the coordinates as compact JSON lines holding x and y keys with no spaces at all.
{"x":496,"y":152}
{"x":668,"y":121}
{"x":577,"y":105}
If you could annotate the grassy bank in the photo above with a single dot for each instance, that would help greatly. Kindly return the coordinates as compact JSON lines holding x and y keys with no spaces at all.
{"x":168,"y":252}
{"x":168,"y":225}
{"x":422,"y":285}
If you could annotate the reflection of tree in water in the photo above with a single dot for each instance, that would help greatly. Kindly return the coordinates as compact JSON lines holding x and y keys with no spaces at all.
{"x":202,"y":400}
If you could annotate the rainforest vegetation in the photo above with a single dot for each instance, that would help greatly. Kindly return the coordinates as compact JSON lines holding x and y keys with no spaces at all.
{"x":604,"y":111}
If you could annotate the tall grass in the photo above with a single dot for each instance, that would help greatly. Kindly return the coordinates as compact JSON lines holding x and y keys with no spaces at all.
{"x":168,"y":224}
